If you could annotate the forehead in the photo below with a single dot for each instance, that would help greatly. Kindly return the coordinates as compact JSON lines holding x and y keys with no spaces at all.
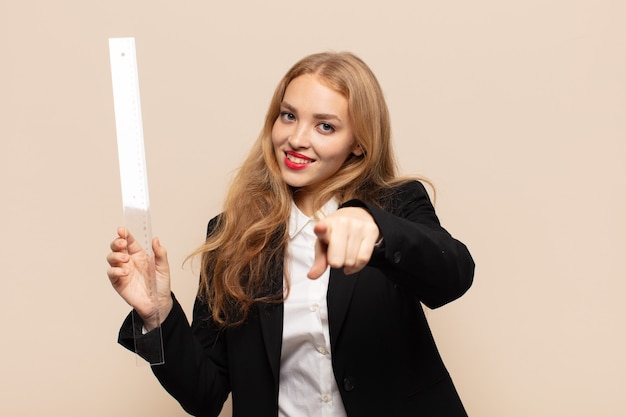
{"x":309,"y":93}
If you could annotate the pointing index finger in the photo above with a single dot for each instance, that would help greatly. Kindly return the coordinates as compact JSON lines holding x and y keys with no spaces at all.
{"x":321,"y":230}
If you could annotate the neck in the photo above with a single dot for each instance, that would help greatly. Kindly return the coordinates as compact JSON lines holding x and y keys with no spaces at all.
{"x":304,"y":201}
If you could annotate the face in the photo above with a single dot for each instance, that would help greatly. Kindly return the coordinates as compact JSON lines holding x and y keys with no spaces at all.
{"x":312,"y":135}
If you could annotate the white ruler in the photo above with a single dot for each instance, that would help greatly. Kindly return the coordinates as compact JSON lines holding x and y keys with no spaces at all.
{"x":130,"y":144}
{"x":133,"y":173}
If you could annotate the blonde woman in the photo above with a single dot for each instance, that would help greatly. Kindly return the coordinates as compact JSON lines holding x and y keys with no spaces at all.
{"x":313,"y":275}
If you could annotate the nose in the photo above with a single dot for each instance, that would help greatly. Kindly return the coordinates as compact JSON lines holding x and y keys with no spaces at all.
{"x":299,"y":138}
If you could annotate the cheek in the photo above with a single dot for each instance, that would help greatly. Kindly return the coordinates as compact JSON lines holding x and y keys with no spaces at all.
{"x":338,"y":153}
{"x":277,"y":134}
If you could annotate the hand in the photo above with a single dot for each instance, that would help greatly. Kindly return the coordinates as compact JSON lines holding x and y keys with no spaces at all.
{"x":131,"y":274}
{"x":345,"y":239}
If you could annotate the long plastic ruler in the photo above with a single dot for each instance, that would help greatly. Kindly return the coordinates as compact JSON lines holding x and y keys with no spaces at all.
{"x":133,"y":172}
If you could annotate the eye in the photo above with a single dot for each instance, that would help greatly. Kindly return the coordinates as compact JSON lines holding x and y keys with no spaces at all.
{"x":287,"y":117}
{"x":326,"y":128}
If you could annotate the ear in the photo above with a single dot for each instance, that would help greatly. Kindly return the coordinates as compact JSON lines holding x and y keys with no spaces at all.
{"x":357,"y":150}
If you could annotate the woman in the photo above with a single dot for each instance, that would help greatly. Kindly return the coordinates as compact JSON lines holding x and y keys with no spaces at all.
{"x":313,"y":276}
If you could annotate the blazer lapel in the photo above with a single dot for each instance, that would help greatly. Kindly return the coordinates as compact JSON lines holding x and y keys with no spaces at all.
{"x":340,"y":288}
{"x":271,"y":318}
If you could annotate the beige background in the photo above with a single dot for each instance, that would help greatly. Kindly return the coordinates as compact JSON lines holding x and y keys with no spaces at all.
{"x":515,"y":109}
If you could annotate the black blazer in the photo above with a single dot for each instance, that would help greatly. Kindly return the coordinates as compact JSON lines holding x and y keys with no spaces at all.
{"x":384,"y":358}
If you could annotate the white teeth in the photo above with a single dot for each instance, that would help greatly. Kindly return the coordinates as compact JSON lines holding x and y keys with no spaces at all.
{"x":296,"y":160}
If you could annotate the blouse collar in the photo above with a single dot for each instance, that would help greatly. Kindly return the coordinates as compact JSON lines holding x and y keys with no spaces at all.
{"x":298,"y":220}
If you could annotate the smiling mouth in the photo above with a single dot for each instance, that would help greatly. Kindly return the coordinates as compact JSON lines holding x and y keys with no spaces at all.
{"x":297,"y":161}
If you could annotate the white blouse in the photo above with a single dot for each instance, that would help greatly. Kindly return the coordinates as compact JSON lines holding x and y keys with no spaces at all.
{"x":307,"y":384}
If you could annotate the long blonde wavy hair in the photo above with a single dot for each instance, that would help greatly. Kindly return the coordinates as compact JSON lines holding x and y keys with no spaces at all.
{"x":245,"y":246}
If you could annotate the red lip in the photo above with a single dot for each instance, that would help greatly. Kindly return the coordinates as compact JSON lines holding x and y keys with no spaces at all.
{"x":294,"y":165}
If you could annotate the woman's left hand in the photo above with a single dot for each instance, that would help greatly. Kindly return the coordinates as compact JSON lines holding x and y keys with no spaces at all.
{"x":345,"y":239}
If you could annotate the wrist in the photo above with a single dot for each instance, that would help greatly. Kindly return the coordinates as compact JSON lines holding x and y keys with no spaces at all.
{"x":155,"y":320}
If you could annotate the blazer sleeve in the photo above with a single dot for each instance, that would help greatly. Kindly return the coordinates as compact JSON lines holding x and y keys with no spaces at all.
{"x":195,"y":370}
{"x":417,"y":252}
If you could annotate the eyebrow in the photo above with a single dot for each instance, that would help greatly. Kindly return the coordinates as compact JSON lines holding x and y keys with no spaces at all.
{"x":319,"y":116}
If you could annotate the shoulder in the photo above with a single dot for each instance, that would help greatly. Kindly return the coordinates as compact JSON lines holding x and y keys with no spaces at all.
{"x":213,"y":224}
{"x":407,"y":199}
{"x":398,"y":196}
{"x":410,"y":189}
